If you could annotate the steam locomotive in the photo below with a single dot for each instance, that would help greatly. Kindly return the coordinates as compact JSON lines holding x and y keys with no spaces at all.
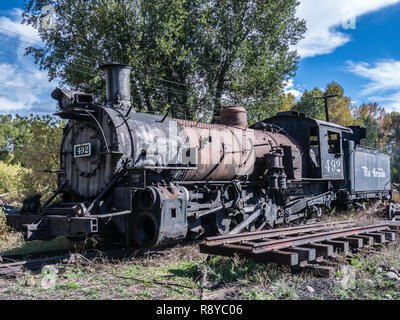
{"x":151,"y":180}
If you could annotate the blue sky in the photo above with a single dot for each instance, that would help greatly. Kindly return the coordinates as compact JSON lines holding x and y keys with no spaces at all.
{"x":353,"y":42}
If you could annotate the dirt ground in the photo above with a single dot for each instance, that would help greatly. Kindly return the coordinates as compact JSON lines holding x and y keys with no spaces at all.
{"x":179,"y":274}
{"x":184,"y":273}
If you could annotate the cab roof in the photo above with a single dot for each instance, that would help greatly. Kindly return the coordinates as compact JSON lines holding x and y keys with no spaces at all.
{"x":301,"y":116}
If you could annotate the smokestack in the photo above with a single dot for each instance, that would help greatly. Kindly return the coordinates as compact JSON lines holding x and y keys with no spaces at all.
{"x":118,"y":84}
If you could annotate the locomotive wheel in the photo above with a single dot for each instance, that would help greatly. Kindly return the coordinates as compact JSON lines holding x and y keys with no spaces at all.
{"x":222,"y":222}
{"x":145,"y":229}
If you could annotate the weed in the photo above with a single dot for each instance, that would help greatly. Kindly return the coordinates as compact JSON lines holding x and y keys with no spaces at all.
{"x":256,"y":295}
{"x":91,"y":293}
{"x":143,"y":295}
{"x":68,"y":286}
{"x":74,"y":273}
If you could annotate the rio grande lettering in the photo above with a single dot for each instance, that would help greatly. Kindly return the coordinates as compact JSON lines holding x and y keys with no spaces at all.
{"x":376,"y":173}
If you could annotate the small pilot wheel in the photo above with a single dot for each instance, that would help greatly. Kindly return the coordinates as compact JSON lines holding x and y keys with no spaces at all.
{"x":316,"y":212}
{"x":390,"y":211}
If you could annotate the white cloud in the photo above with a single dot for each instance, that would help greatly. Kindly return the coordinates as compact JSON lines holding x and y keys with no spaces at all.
{"x":391,"y":102}
{"x":323,"y":19}
{"x":21,"y":90}
{"x":383,"y":77}
{"x":24,"y":88}
{"x":290,"y":88}
{"x":11,"y":25}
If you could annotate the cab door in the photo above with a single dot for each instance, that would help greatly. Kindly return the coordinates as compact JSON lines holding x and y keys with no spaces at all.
{"x":331,"y":153}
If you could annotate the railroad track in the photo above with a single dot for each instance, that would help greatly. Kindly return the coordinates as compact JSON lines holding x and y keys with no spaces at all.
{"x":12,"y":264}
{"x":304,"y":246}
{"x":15,"y":267}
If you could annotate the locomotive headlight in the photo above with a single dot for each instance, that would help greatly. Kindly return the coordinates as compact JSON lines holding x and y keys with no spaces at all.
{"x":69,"y":98}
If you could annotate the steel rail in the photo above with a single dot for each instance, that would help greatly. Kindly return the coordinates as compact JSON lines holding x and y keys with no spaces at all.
{"x":311,"y":238}
{"x":35,"y":264}
{"x":16,"y":257}
{"x":226,"y":239}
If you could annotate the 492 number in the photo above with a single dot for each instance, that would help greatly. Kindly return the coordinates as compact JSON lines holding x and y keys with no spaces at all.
{"x":333,"y":166}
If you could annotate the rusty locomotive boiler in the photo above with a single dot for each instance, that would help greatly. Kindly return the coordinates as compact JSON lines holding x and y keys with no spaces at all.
{"x":153,"y":180}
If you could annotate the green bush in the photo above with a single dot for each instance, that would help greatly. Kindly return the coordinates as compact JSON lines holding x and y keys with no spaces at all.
{"x":11,"y":184}
{"x":4,"y":229}
{"x":41,"y":153}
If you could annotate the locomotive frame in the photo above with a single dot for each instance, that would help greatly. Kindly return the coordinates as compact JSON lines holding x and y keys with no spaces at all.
{"x":153,"y":180}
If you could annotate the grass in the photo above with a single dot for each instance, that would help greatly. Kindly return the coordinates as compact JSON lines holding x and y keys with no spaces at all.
{"x":22,"y":247}
{"x":174,"y":276}
{"x":369,"y":275}
{"x":246,"y":271}
{"x":68,"y":286}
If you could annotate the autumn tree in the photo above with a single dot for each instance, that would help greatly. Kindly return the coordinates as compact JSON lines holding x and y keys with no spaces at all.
{"x":339,"y":106}
{"x":377,"y":122}
{"x":287,"y":102}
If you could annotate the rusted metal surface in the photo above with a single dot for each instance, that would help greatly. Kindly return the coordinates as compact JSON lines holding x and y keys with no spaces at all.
{"x":224,"y":152}
{"x":234,"y":116}
{"x":316,"y":237}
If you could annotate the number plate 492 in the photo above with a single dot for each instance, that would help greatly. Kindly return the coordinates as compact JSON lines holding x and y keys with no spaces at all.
{"x":82,"y":150}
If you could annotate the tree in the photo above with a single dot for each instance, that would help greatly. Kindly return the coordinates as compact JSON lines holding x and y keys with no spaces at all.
{"x":376,"y":121}
{"x":12,"y":136}
{"x":40,"y":154}
{"x":247,"y":55}
{"x":340,"y":106}
{"x":311,"y":105}
{"x":194,"y":55}
{"x":287,"y":102}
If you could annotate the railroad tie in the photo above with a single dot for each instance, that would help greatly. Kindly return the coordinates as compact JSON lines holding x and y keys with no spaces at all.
{"x":320,"y":271}
{"x":378,"y":237}
{"x":322,"y":250}
{"x":389,"y":236}
{"x":355,"y":243}
{"x":367,"y":240}
{"x":341,"y":246}
{"x":305,"y":254}
{"x":280,"y":257}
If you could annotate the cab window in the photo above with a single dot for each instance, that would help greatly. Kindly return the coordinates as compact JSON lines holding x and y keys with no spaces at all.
{"x":333,"y":142}
{"x":314,"y":137}
{"x":314,"y":146}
